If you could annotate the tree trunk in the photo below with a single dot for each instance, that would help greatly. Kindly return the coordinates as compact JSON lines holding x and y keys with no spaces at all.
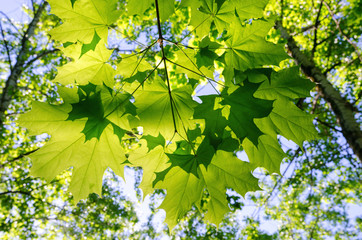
{"x":18,"y":68}
{"x":341,"y":107}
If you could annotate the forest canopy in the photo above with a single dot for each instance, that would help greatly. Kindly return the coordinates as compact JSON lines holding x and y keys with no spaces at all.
{"x":198,"y":97}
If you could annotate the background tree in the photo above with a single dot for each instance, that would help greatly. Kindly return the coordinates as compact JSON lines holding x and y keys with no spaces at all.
{"x":323,"y":37}
{"x":306,"y":205}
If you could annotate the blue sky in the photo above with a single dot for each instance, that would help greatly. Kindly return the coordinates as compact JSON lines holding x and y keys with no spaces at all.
{"x":12,"y":8}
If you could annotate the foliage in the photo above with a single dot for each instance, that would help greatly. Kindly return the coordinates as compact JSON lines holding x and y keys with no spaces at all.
{"x":88,"y":128}
{"x":313,"y":203}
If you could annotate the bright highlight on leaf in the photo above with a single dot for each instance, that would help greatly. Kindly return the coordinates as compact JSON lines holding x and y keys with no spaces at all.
{"x":148,"y":108}
{"x":83,"y":19}
{"x":92,"y":67}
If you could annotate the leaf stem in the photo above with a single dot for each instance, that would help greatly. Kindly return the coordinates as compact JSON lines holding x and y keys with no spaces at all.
{"x":197,"y":68}
{"x":193,"y":29}
{"x":160,"y":40}
{"x":195,"y":72}
{"x":144,"y":54}
{"x":141,"y":83}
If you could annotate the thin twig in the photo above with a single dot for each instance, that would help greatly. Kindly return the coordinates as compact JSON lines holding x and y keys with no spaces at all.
{"x":9,"y":20}
{"x":328,"y":125}
{"x":6,"y":44}
{"x":194,"y":29}
{"x":15,"y":192}
{"x":18,"y":157}
{"x":198,"y":69}
{"x":342,"y":33}
{"x":195,"y":72}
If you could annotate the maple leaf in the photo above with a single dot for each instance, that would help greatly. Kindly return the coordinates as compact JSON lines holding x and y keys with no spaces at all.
{"x":285,"y":119}
{"x":155,"y":98}
{"x":185,"y":189}
{"x":166,"y":7}
{"x":249,"y":49}
{"x":80,"y":138}
{"x":151,"y":161}
{"x":206,"y":12}
{"x":247,"y":9}
{"x":244,"y":108}
{"x":92,"y":67}
{"x":226,"y":171}
{"x":83,"y":19}
{"x":130,"y":65}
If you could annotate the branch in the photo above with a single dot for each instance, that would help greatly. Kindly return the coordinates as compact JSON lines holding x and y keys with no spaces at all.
{"x":11,"y":83}
{"x":328,"y":125}
{"x":6,"y":47}
{"x":316,"y":24}
{"x":340,"y":106}
{"x":12,"y":192}
{"x":18,"y":157}
{"x":39,"y":56}
{"x":332,"y":67}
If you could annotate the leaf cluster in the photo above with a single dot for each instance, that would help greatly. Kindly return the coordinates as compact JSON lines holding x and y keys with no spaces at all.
{"x":185,"y":142}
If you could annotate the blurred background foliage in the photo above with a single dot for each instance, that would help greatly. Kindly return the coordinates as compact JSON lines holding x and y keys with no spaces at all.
{"x":318,"y":197}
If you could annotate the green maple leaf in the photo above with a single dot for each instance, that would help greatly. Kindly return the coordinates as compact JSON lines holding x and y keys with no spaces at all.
{"x":154,"y":98}
{"x":206,"y":55}
{"x":166,"y":7}
{"x":80,"y":138}
{"x":131,"y":65}
{"x":187,"y":63}
{"x":267,"y":154}
{"x":83,"y":19}
{"x":152,"y":161}
{"x":286,"y":119}
{"x":92,"y":67}
{"x":247,"y":9}
{"x":226,"y":171}
{"x":244,"y":108}
{"x":248,"y":47}
{"x":205,"y":12}
{"x":185,"y":189}
{"x":289,"y":121}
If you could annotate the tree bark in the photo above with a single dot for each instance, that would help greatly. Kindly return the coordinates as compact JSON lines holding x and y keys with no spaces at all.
{"x":343,"y":109}
{"x":12,"y":81}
